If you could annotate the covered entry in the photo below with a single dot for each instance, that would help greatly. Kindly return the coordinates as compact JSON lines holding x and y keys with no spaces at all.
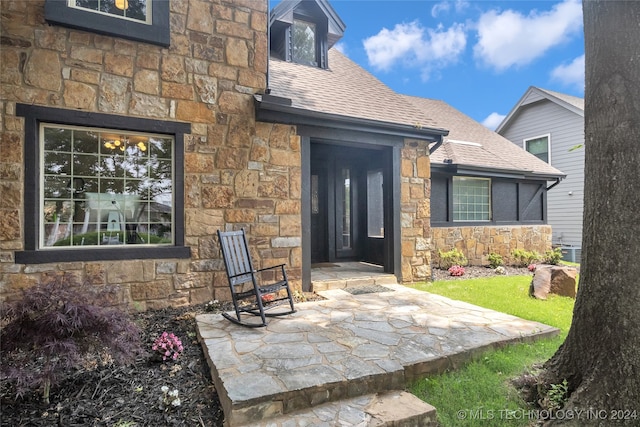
{"x":350,"y":204}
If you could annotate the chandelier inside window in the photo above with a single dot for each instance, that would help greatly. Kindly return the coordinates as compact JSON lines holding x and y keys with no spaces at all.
{"x":124,"y":143}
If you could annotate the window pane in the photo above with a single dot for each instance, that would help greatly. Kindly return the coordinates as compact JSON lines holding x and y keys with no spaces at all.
{"x":471,"y":199}
{"x":104,"y":188}
{"x":375,"y":204}
{"x":346,"y":209}
{"x":539,"y":147}
{"x":304,"y":43}
{"x":132,"y":9}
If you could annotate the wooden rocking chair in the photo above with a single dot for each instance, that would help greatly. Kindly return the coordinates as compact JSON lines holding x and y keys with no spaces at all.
{"x":253,"y":291}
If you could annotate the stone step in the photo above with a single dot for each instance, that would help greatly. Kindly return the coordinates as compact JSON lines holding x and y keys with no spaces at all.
{"x":389,"y":409}
{"x":339,"y":283}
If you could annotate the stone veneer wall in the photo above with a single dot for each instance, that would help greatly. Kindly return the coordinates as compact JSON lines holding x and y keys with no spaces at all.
{"x":415,"y":213}
{"x":238,"y":173}
{"x":478,"y":242}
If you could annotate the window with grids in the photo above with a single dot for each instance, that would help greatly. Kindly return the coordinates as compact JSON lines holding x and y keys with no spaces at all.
{"x":471,"y":199}
{"x":304,"y":43}
{"x":102,"y":188}
{"x":129,"y":9}
{"x":539,"y":147}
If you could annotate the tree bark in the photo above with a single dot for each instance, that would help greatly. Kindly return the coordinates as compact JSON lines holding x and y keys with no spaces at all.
{"x":600,"y":358}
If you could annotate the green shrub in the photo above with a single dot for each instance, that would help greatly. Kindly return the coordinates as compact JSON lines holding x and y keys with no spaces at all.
{"x":495,"y":260}
{"x":450,"y":258}
{"x":552,"y":256}
{"x":522,"y":258}
{"x":55,"y":326}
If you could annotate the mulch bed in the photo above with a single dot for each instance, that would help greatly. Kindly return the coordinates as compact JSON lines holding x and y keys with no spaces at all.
{"x":112,"y":395}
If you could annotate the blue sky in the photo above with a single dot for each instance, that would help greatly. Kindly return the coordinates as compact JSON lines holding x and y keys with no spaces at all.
{"x":478,"y":56}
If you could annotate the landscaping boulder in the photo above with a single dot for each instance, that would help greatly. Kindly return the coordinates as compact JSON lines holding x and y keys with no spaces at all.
{"x":555,"y":279}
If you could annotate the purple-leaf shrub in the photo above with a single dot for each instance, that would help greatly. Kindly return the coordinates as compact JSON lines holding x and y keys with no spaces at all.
{"x":55,"y":325}
{"x":168,"y":346}
{"x":456,"y":270}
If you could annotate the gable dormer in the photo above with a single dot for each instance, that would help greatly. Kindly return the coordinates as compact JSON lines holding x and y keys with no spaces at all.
{"x":303,"y":31}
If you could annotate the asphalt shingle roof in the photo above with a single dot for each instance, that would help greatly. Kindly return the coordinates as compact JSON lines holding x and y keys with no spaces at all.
{"x":349,"y":90}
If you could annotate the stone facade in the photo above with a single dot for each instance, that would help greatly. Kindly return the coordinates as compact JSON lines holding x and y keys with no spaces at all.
{"x":238,"y":172}
{"x":476,"y":243}
{"x":415,"y":211}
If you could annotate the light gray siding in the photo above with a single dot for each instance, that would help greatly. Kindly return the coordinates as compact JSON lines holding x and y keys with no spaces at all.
{"x":566,"y":130}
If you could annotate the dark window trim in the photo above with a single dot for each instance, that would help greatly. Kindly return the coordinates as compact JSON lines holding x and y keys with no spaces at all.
{"x":490,"y":223}
{"x":158,"y":32}
{"x":33,"y":116}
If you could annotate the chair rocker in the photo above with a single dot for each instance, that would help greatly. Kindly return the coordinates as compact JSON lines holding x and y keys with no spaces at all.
{"x":253,"y":291}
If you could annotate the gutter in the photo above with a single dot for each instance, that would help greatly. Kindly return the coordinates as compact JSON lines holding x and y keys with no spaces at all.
{"x":271,"y":108}
{"x":555,"y":183}
{"x":496,"y":172}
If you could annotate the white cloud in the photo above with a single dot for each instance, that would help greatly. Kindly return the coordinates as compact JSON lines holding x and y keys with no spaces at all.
{"x":571,"y":74}
{"x":509,"y":38}
{"x":341,"y":47}
{"x":413,"y":45}
{"x":445,"y":6}
{"x":493,"y":120}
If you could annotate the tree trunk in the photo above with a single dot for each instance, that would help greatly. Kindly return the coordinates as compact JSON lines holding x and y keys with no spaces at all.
{"x":600,"y":358}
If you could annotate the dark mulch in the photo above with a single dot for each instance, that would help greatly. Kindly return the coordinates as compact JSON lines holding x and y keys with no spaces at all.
{"x":129,"y":396}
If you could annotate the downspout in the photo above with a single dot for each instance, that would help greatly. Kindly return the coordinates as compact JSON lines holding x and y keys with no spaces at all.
{"x":267,"y":90}
{"x":436,"y":145}
{"x":554,"y":184}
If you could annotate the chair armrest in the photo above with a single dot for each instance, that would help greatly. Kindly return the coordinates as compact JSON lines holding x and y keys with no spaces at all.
{"x":273,"y":267}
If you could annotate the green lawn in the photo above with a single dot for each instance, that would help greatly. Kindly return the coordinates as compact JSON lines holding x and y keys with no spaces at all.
{"x":480,"y":394}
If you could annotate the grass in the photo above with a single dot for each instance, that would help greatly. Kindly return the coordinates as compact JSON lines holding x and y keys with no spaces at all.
{"x":480,"y":393}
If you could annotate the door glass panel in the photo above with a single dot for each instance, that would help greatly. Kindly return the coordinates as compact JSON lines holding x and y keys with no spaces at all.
{"x":315,"y":209}
{"x":346,"y":209}
{"x":375,"y":211}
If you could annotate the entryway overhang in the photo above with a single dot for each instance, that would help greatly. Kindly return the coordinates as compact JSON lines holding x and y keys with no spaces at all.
{"x":317,"y":128}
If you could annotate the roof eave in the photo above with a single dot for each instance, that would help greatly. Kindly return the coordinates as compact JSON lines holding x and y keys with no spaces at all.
{"x":280,"y":110}
{"x":462,"y":169}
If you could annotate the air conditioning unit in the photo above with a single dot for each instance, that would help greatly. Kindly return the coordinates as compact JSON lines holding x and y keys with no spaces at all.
{"x":571,"y":253}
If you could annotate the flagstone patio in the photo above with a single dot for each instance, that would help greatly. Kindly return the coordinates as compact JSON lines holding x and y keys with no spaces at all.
{"x":346,"y":360}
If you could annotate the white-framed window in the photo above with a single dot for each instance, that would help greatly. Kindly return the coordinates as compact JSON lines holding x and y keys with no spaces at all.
{"x":540,"y":146}
{"x":103,"y":188}
{"x":136,"y":10}
{"x":471,"y":199}
{"x":304,"y":42}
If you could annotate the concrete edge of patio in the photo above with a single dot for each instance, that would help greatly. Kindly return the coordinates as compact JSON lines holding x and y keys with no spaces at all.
{"x":348,"y":346}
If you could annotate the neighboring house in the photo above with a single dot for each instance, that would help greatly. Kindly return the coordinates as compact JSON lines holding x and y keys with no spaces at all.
{"x":130,"y":137}
{"x":487,"y":195}
{"x":549,"y":125}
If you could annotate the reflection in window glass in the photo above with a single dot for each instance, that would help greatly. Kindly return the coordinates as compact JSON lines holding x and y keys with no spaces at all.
{"x":346,"y":209}
{"x":539,"y":147}
{"x":375,"y":204}
{"x":471,"y":199}
{"x":131,"y":9}
{"x":103,"y":187}
{"x":315,"y":209}
{"x":304,"y":43}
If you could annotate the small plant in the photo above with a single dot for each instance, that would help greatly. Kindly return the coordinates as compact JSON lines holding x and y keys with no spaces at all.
{"x":169,"y":398}
{"x":500,"y":270}
{"x":495,"y":260}
{"x":267,"y":298}
{"x":168,"y":346}
{"x":212,"y":306}
{"x":556,"y":396}
{"x":56,"y":326}
{"x":531,"y":267}
{"x":552,"y":257}
{"x":299,"y":296}
{"x":522,"y":258}
{"x":450,"y":258}
{"x":456,"y":270}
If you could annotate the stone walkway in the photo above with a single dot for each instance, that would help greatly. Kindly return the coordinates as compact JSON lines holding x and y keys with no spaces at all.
{"x":336,"y":356}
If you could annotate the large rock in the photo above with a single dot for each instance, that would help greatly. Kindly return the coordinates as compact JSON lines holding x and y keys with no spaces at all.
{"x":559,"y":280}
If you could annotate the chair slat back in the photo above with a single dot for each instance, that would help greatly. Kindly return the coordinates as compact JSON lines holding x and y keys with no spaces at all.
{"x":235,"y":252}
